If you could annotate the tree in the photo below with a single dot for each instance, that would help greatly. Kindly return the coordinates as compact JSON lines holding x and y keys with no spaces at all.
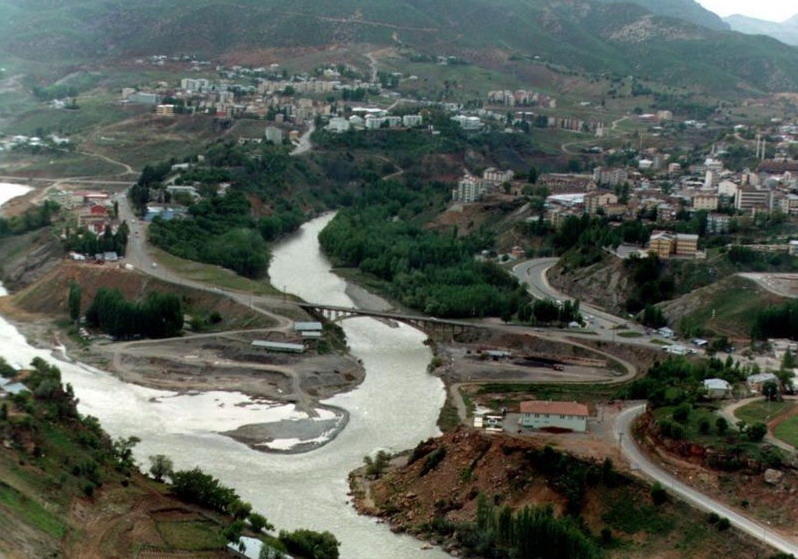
{"x":232,"y":532}
{"x":75,"y":295}
{"x":770,"y":389}
{"x":195,"y":486}
{"x":376,"y":466}
{"x":240,"y":509}
{"x":258,"y":523}
{"x":310,"y":544}
{"x":161,"y":466}
{"x":756,"y":432}
{"x":658,"y":494}
{"x":123,"y":451}
{"x":721,"y":425}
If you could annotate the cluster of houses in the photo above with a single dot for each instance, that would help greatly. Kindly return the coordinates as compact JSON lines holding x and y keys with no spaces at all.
{"x":717,"y":389}
{"x":744,"y":193}
{"x":19,"y":141}
{"x":626,"y":193}
{"x":372,"y":118}
{"x":92,"y":210}
{"x":521,"y":98}
{"x":255,"y":92}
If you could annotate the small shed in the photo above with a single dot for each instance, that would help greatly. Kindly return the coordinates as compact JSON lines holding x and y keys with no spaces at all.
{"x":666,"y":332}
{"x":757,"y":381}
{"x":717,"y":388}
{"x":307,"y":326}
{"x":497,"y":355}
{"x":13,"y":388}
{"x":280,"y":346}
{"x":251,"y":548}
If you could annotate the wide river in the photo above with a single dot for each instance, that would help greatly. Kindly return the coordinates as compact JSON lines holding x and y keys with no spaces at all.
{"x":395,"y":408}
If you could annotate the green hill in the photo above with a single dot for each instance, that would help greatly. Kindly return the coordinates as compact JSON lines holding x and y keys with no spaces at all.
{"x":688,"y":10}
{"x":614,"y":38}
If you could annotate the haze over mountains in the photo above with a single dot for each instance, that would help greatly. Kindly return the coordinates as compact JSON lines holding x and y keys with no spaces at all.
{"x":786,"y":31}
{"x":602,"y":36}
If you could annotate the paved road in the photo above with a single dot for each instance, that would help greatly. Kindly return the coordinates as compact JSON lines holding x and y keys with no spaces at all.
{"x":629,"y":448}
{"x":304,"y":141}
{"x":533,"y":274}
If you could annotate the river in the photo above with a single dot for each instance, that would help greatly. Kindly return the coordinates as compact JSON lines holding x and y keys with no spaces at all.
{"x":394,"y":408}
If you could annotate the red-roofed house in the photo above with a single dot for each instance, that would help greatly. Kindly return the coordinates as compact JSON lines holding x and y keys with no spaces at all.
{"x":539,"y":414}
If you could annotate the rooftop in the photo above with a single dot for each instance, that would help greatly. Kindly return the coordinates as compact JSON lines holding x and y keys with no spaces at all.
{"x":554,"y":408}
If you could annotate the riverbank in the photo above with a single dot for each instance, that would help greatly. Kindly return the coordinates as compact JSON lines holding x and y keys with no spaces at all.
{"x":226,"y":360}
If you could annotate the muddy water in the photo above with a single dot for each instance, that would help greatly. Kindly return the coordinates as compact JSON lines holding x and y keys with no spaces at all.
{"x":394,"y":408}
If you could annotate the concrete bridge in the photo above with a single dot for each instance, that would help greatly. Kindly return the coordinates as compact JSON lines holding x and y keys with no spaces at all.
{"x":431,"y":325}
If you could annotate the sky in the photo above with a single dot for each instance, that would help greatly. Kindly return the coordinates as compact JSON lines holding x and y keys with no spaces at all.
{"x":770,"y":10}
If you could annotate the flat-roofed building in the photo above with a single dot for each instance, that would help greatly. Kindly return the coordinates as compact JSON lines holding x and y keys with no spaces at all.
{"x":661,"y":244}
{"x":539,"y":414}
{"x":707,"y":202}
{"x":686,"y":244}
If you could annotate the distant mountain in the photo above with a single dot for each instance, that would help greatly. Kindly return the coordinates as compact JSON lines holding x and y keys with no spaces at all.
{"x":786,"y":31}
{"x":687,"y":10}
{"x":613,"y":38}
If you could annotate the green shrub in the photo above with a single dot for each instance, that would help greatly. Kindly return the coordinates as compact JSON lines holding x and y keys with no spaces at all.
{"x":658,"y":494}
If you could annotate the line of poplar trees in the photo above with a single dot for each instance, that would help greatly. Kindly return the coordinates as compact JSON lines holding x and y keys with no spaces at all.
{"x":159,"y":315}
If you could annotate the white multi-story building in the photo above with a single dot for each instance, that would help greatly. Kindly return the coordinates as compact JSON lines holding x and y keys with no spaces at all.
{"x":412,"y":120}
{"x":469,"y":189}
{"x":468,"y":122}
{"x":338,"y":125}
{"x":497,"y":176}
{"x":610,"y":176}
{"x":194,"y":84}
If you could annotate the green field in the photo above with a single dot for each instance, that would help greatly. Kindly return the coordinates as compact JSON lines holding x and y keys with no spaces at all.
{"x":728,"y":307}
{"x":787,"y":431}
{"x":34,"y":514}
{"x":629,"y":334}
{"x":213,"y":275}
{"x":762,"y":411}
{"x":195,"y":535}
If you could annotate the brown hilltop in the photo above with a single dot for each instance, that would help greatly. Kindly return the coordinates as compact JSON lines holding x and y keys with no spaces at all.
{"x":437,"y":488}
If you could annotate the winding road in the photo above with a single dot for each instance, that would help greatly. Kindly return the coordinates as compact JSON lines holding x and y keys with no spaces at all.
{"x":533,"y":274}
{"x":629,"y":448}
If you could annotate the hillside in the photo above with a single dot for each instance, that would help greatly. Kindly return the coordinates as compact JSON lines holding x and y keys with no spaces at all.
{"x":436,"y":496}
{"x":606,"y":284}
{"x":726,"y":307}
{"x":49,"y":295}
{"x":69,"y":491}
{"x":618,"y":39}
{"x":688,"y":10}
{"x":786,"y":31}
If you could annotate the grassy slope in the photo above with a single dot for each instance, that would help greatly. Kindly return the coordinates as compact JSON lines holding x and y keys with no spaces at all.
{"x":726,"y":307}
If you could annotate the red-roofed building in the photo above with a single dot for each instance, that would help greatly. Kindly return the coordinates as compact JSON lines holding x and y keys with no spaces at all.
{"x":540,"y":414}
